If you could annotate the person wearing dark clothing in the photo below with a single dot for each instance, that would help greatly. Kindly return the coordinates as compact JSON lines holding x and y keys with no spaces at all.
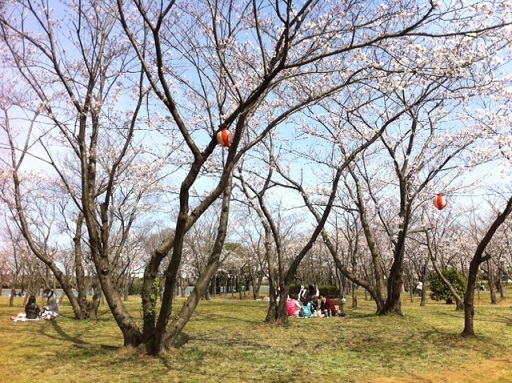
{"x":303,"y":295}
{"x":327,"y":306}
{"x":32,"y":309}
{"x":313,"y":291}
{"x":312,"y":296}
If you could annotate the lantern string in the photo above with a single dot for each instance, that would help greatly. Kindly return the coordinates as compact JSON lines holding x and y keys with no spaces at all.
{"x":468,"y":195}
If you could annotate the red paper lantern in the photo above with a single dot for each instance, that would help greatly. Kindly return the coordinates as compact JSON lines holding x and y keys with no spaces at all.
{"x":440,"y":201}
{"x":224,"y":137}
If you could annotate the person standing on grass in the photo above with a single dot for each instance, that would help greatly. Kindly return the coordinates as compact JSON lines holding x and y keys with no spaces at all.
{"x":419,"y":288}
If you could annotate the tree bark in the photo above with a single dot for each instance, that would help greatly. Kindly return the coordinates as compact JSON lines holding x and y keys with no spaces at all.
{"x":377,"y":293}
{"x":170,"y":336}
{"x":179,"y":322}
{"x":478,"y":258}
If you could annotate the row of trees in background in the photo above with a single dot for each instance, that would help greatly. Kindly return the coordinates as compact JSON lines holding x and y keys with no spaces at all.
{"x":245,"y":272}
{"x":345,"y":119}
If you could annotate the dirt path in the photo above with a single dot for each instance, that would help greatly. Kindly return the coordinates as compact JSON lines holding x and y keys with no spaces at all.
{"x":489,"y":371}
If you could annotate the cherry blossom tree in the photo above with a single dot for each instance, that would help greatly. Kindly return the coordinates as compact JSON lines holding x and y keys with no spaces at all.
{"x":333,"y":75}
{"x":480,"y":256}
{"x":257,"y":190}
{"x":350,"y":256}
{"x":419,"y":152}
{"x":497,"y":267}
{"x":251,"y":65}
{"x":12,"y":260}
{"x":70,"y":121}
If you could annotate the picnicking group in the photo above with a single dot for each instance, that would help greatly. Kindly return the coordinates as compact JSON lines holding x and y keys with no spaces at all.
{"x":308,"y":302}
{"x":50,"y":311}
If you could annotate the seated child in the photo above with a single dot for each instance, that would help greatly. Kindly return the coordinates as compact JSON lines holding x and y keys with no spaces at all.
{"x":307,"y":310}
{"x":293,"y":306}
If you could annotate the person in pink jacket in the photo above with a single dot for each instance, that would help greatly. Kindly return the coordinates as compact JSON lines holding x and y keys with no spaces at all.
{"x":293,"y":306}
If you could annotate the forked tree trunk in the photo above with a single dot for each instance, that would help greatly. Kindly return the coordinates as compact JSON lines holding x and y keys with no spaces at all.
{"x":167,"y":335}
{"x":378,"y":292}
{"x":393,"y":303}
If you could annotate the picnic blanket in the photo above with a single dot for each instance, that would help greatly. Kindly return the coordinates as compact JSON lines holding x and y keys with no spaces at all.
{"x":21,"y":317}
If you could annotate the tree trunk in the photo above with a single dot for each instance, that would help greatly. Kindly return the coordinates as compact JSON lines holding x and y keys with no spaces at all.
{"x":92,"y":307}
{"x":165,"y":337}
{"x":277,"y":313}
{"x":158,"y":340}
{"x":126,"y":323}
{"x":354,"y":296}
{"x":492,"y":283}
{"x":257,"y":285}
{"x":412,"y":288}
{"x":151,"y":290}
{"x":274,"y":276}
{"x":422,"y":277}
{"x":80,"y":309}
{"x":178,"y":323}
{"x":478,"y":258}
{"x":499,"y":286}
{"x":11,"y":297}
{"x":469,"y":299}
{"x":423,"y":302}
{"x":273,"y":310}
{"x":393,"y":303}
{"x":378,"y":293}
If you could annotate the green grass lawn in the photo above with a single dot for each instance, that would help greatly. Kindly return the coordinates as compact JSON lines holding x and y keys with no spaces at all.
{"x":227,"y":341}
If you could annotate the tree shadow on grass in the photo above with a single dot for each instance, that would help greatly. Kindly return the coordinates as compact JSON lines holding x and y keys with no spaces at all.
{"x":103,"y":316}
{"x":212,"y":316}
{"x":498,"y":319}
{"x":354,"y":314}
{"x":60,"y":335}
{"x":435,"y":335}
{"x":181,"y":340}
{"x":455,"y":340}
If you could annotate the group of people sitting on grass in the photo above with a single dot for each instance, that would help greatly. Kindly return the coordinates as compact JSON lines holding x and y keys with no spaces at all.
{"x":310,"y":303}
{"x":32,"y":311}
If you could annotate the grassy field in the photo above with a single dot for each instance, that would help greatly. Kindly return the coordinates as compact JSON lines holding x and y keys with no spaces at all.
{"x":227,"y":341}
